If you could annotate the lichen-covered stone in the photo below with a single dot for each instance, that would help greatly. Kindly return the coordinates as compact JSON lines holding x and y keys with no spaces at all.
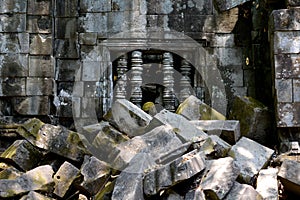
{"x":254,"y":118}
{"x":219,"y":176}
{"x":215,"y":147}
{"x":13,"y":23}
{"x":35,"y":196}
{"x":180,"y":125}
{"x":10,"y":173}
{"x":22,"y":153}
{"x":37,"y":179}
{"x":267,"y":184}
{"x":228,"y":130}
{"x":243,"y":191}
{"x":95,"y":173}
{"x":288,"y":114}
{"x":106,"y":192}
{"x":64,"y":177}
{"x":289,"y":176}
{"x":194,"y":109}
{"x":128,"y":118}
{"x":250,"y":157}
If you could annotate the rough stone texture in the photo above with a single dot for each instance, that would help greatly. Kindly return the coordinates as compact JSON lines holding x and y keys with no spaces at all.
{"x":181,"y":126}
{"x":56,"y":139}
{"x":35,"y":105}
{"x":254,"y":117}
{"x":289,"y":176}
{"x":41,"y":66}
{"x":286,"y":42}
{"x":39,"y":178}
{"x":219,"y":177}
{"x":22,"y":153}
{"x":16,"y":6}
{"x":95,"y":173}
{"x":13,"y":23}
{"x":223,"y":5}
{"x":285,"y":19}
{"x":284,"y":89}
{"x":38,"y":86}
{"x":174,"y":172}
{"x":128,"y":118}
{"x":228,"y":130}
{"x":40,"y":44}
{"x":64,"y":177}
{"x":292,"y":3}
{"x":36,"y":7}
{"x":196,"y":194}
{"x":10,"y":173}
{"x":215,"y":147}
{"x":35,"y":196}
{"x":155,"y":143}
{"x":250,"y":157}
{"x":288,"y":114}
{"x":194,"y":109}
{"x":267,"y":185}
{"x":13,"y":65}
{"x":243,"y":191}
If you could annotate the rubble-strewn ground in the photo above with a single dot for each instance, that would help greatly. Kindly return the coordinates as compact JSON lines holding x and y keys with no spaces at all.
{"x":133,"y":155}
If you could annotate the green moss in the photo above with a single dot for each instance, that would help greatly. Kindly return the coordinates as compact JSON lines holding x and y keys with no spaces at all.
{"x":30,"y":128}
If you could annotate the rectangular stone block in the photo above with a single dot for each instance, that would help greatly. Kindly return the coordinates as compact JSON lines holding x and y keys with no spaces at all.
{"x":14,"y":65}
{"x":68,"y":69}
{"x":287,"y":65}
{"x":67,"y":8}
{"x":267,"y":184}
{"x":13,"y":23}
{"x":66,"y":48}
{"x":70,"y":29}
{"x":288,"y":114}
{"x":91,"y":71}
{"x":292,"y":3}
{"x":286,"y":42}
{"x":35,"y":105}
{"x":285,"y":19}
{"x":95,"y":6}
{"x":14,"y":43}
{"x":223,"y":5}
{"x":13,"y":6}
{"x":12,"y":87}
{"x":289,"y":175}
{"x":94,"y":22}
{"x":39,"y":86}
{"x":223,"y":40}
{"x":120,"y":5}
{"x":229,"y":56}
{"x":296,"y":90}
{"x":284,"y":90}
{"x":88,"y":38}
{"x":39,"y":24}
{"x":41,"y":66}
{"x":40,"y":44}
{"x":38,"y":7}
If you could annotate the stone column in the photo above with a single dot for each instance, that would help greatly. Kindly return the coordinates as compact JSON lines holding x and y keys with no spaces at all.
{"x":185,"y":81}
{"x":122,"y":78}
{"x":168,"y":82}
{"x":136,"y":78}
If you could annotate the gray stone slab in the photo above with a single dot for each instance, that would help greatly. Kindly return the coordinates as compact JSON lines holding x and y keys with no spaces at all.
{"x":223,"y":5}
{"x":289,"y":176}
{"x":196,"y":194}
{"x":41,"y":66}
{"x":267,"y":184}
{"x":14,"y":43}
{"x":296,"y":90}
{"x":70,"y":24}
{"x":215,"y":147}
{"x":39,"y":86}
{"x":12,"y":87}
{"x":284,"y":90}
{"x":40,"y":44}
{"x":67,"y":8}
{"x":243,"y":191}
{"x":66,"y":48}
{"x":68,"y":69}
{"x":286,"y":66}
{"x":250,"y":157}
{"x":219,"y":176}
{"x":285,"y":19}
{"x":36,"y":7}
{"x":94,"y":23}
{"x":13,"y":23}
{"x":35,"y":105}
{"x":95,"y":6}
{"x":288,"y":114}
{"x":12,"y":65}
{"x":228,"y":130}
{"x":286,"y":42}
{"x":15,"y":6}
{"x":183,"y":128}
{"x":88,"y":38}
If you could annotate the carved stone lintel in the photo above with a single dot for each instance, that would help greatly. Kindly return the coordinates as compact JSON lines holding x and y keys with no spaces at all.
{"x":122,"y":78}
{"x":168,"y":82}
{"x":185,"y":81}
{"x":136,"y":78}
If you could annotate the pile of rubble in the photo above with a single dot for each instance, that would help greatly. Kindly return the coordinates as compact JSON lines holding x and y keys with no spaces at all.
{"x":133,"y":155}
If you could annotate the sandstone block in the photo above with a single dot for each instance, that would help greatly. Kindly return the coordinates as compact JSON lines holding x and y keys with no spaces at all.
{"x":13,"y":23}
{"x":285,"y":19}
{"x":10,"y":173}
{"x":35,"y":105}
{"x":194,"y":109}
{"x":128,"y":118}
{"x":64,"y":177}
{"x":94,"y":23}
{"x":39,"y":178}
{"x":95,"y":6}
{"x":66,"y":48}
{"x":67,"y":69}
{"x":39,"y":24}
{"x":15,"y":6}
{"x":222,"y":5}
{"x":284,"y":90}
{"x":22,"y":153}
{"x":66,"y":8}
{"x":296,"y":90}
{"x":41,"y":66}
{"x":39,"y":86}
{"x":228,"y":130}
{"x":88,"y":38}
{"x":289,"y":176}
{"x":40,"y":44}
{"x":286,"y":66}
{"x":71,"y":28}
{"x":243,"y":191}
{"x":250,"y":157}
{"x":215,"y":147}
{"x":288,"y":114}
{"x":12,"y":86}
{"x":12,"y":65}
{"x":36,"y":7}
{"x":219,"y":177}
{"x":286,"y":42}
{"x":181,"y":126}
{"x":12,"y":43}
{"x":196,"y":194}
{"x":267,"y":185}
{"x":254,"y":118}
{"x":35,"y":196}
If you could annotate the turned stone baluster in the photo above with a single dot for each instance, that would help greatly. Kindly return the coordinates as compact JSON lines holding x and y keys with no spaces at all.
{"x":136,"y":78}
{"x":122,"y":78}
{"x":168,"y":82}
{"x":185,"y":81}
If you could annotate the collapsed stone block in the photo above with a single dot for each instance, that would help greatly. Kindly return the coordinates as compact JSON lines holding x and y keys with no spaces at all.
{"x":35,"y":196}
{"x":289,"y":176}
{"x":196,"y":194}
{"x":10,"y":173}
{"x":174,"y":172}
{"x":215,"y":147}
{"x":250,"y":157}
{"x":22,"y":153}
{"x":64,"y":178}
{"x":228,"y":130}
{"x":219,"y":176}
{"x":128,"y":118}
{"x":267,"y":184}
{"x":254,"y":118}
{"x":37,"y":179}
{"x":243,"y":191}
{"x":194,"y":109}
{"x":180,"y":125}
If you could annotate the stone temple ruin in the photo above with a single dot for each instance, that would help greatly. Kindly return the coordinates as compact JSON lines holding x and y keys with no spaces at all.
{"x":149,"y":99}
